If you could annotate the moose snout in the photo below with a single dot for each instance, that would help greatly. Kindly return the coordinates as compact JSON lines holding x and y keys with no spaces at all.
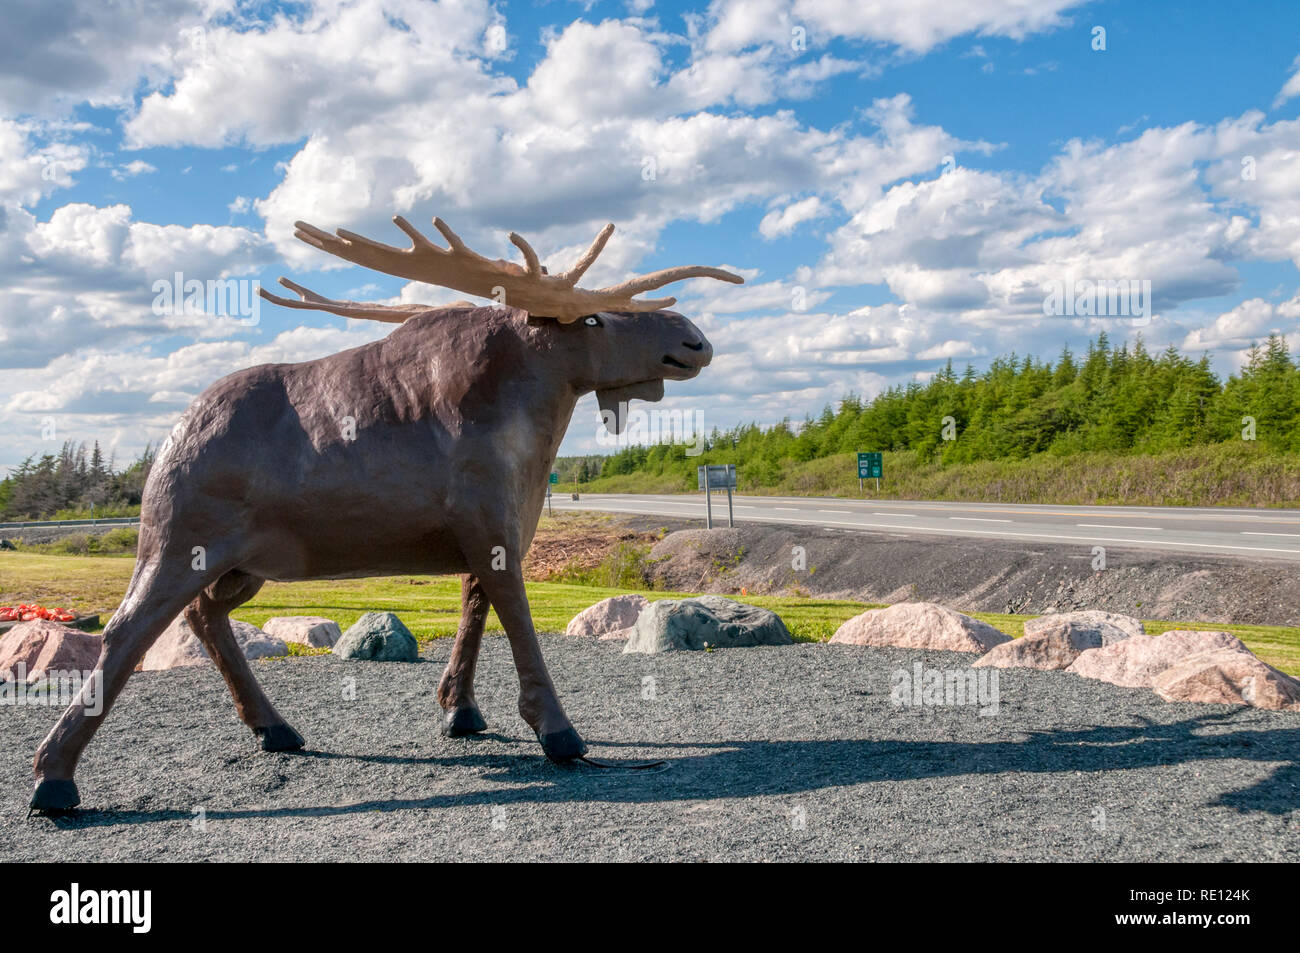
{"x":693,"y":354}
{"x":703,"y":350}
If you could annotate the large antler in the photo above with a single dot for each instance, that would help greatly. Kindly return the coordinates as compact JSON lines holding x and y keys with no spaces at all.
{"x":527,"y":287}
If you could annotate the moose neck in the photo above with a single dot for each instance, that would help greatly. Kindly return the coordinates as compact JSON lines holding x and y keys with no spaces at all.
{"x":559,"y":404}
{"x":490,"y":379}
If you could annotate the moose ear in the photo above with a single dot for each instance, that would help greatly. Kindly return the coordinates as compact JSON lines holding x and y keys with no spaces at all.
{"x":613,"y":402}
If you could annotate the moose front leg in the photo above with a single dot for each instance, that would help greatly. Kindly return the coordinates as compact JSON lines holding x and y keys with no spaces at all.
{"x":456,"y":687}
{"x":538,"y":702}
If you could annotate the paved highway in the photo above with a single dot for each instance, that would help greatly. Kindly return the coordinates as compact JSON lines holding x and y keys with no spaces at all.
{"x":1240,"y":532}
{"x":1237,"y":532}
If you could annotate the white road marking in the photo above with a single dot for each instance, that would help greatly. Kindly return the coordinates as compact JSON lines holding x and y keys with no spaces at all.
{"x":835,"y":511}
{"x":1077,"y":539}
{"x":977,"y":519}
{"x":1247,"y":533}
{"x":1160,"y":544}
{"x":1116,"y":526}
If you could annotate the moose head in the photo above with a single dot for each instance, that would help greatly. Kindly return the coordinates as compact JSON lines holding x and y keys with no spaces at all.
{"x":424,"y":452}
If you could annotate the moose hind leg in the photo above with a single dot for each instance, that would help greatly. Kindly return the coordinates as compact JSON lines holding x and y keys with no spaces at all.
{"x":456,"y":687}
{"x":146,"y":610}
{"x":209,"y":617}
{"x":539,"y":705}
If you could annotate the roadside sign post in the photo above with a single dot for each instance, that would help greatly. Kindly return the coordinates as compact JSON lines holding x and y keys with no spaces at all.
{"x":721,"y":477}
{"x":870,"y":465}
{"x":554,"y":479}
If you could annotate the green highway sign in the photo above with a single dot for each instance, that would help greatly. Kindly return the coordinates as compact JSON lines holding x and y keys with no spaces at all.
{"x":555,"y":477}
{"x":870,"y":465}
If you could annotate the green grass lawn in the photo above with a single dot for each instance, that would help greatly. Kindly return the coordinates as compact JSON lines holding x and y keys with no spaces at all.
{"x":430,"y":606}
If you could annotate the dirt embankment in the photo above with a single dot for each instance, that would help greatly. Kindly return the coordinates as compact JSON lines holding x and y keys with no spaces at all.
{"x":976,"y":575}
{"x":572,"y":544}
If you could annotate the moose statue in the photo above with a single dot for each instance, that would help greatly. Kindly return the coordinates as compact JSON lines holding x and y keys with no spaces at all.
{"x":424,"y":452}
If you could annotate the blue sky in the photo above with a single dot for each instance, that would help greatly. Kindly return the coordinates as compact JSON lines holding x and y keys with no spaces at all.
{"x":915,"y":173}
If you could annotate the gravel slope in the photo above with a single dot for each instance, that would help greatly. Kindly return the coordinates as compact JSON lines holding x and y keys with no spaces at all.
{"x":782,"y":753}
{"x":978,"y":575}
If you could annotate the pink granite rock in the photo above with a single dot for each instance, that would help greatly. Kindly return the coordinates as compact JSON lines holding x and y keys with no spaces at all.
{"x":1228,"y":677}
{"x":611,"y":618}
{"x":1110,"y":626}
{"x":1135,"y":662}
{"x":41,"y":647}
{"x":179,"y":646}
{"x":1051,"y":648}
{"x":919,"y":625}
{"x":313,"y":630}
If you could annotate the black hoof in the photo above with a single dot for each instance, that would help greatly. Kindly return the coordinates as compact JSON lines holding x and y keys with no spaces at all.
{"x":55,"y":796}
{"x":563,"y":746}
{"x":279,"y":738}
{"x":463,"y":721}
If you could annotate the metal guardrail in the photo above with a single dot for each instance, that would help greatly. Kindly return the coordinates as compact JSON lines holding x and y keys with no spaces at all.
{"x":111,"y":521}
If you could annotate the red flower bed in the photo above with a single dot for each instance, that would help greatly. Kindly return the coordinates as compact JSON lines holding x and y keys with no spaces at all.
{"x":26,"y":613}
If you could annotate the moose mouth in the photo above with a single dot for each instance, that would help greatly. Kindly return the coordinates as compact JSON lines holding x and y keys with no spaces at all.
{"x":680,"y":370}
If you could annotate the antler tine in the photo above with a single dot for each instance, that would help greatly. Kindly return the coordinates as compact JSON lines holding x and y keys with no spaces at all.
{"x":312,"y":235}
{"x":657,"y":279}
{"x":306,"y":294}
{"x":352,"y":238}
{"x":651,"y":304}
{"x":417,"y":237}
{"x":580,"y":267}
{"x":530,"y":256}
{"x":311,"y":301}
{"x":453,"y":240}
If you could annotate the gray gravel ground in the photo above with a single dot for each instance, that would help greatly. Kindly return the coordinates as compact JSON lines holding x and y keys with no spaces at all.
{"x":781,"y":753}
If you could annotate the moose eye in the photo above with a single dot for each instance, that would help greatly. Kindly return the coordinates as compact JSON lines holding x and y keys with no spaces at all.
{"x":592,"y":321}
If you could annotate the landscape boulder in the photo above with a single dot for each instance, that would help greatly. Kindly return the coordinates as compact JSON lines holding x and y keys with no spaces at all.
{"x":1228,"y":677}
{"x":179,"y":647}
{"x":611,"y":618}
{"x":1051,"y":648}
{"x":34,"y":649}
{"x":919,"y":625}
{"x":1110,"y":626}
{"x":378,"y":637}
{"x":312,"y":630}
{"x":1135,"y":662}
{"x":707,"y":621}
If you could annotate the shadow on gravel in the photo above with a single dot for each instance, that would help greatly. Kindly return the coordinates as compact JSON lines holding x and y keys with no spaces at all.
{"x":729,"y":769}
